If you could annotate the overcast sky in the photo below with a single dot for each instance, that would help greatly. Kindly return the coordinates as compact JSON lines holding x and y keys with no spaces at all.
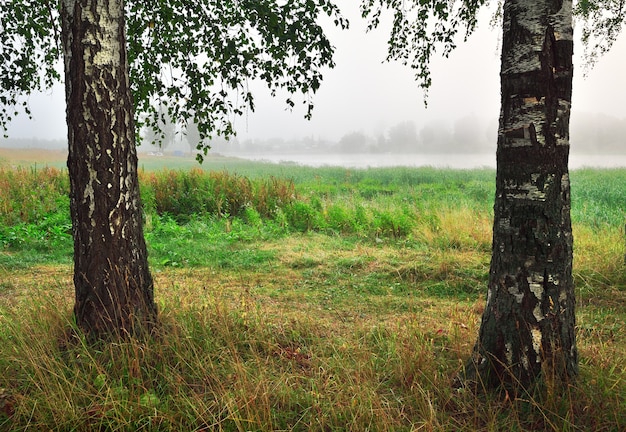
{"x":365,"y":94}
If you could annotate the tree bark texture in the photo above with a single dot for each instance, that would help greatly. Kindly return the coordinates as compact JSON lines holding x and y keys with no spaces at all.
{"x":527,"y":328}
{"x":113,"y":285}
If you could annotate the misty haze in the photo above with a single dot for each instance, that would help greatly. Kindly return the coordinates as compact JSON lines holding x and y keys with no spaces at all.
{"x":468,"y":142}
{"x":367,"y":111}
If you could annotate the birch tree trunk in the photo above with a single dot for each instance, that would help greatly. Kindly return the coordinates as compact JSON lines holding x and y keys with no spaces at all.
{"x":113,"y":285}
{"x":527,"y":328}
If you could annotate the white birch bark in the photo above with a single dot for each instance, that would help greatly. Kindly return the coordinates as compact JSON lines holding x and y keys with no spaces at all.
{"x":528,"y":325}
{"x":113,"y":285}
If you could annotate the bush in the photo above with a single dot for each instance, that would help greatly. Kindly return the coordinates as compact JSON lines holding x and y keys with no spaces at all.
{"x":339,"y":219}
{"x":394,"y":222}
{"x":300,"y":216}
{"x":28,"y":194}
{"x":182,"y":194}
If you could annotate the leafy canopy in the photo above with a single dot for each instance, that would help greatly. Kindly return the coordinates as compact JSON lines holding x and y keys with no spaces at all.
{"x":420,"y":27}
{"x":197,"y":58}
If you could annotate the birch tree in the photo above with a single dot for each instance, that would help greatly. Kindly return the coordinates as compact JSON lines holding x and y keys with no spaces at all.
{"x":527,"y":328}
{"x":112,"y":282}
{"x":195,"y":59}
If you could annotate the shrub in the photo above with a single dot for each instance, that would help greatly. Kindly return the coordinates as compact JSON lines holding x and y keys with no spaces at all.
{"x":271,"y":194}
{"x":183,"y":194}
{"x":339,"y":219}
{"x":28,"y":194}
{"x":394,"y":222}
{"x":300,"y":216}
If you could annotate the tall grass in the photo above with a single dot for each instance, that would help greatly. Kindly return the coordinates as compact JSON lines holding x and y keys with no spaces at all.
{"x":271,"y":351}
{"x":30,"y":194}
{"x":598,"y":197}
{"x":182,"y":194}
{"x":389,"y":203}
{"x":386,"y":201}
{"x":421,"y":207}
{"x":34,"y":215}
{"x":317,"y":299}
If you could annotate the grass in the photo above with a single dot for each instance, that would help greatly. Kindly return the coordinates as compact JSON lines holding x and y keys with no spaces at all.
{"x":350,"y":306}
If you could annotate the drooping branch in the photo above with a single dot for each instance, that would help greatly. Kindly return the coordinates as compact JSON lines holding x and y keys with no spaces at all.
{"x":602,"y":21}
{"x":420,"y":29}
{"x":196,"y":59}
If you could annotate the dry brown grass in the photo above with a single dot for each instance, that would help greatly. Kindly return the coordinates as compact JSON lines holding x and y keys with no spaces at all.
{"x":332,"y":335}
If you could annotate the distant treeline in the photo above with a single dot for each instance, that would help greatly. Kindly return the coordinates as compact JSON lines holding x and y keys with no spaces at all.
{"x":466,"y":135}
{"x":589,"y":133}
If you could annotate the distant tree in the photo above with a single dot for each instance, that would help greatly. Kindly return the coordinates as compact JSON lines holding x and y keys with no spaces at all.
{"x":380,"y":145}
{"x":599,"y":133}
{"x":403,"y":137}
{"x":436,"y":137}
{"x":310,"y":143}
{"x":527,"y":329}
{"x":195,"y":59}
{"x":468,"y":134}
{"x":221,"y":143}
{"x":354,"y":142}
{"x":196,"y":142}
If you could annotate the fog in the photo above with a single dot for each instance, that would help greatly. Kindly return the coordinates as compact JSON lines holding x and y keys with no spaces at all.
{"x":368,"y":99}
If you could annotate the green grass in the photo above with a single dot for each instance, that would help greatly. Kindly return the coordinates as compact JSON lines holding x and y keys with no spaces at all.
{"x":349,"y":305}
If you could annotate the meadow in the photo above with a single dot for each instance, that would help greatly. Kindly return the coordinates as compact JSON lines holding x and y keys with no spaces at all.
{"x":296,"y":298}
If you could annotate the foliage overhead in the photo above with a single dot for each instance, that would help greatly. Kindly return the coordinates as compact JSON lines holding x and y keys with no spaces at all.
{"x":29,"y":53}
{"x":195,"y":58}
{"x":602,"y":21}
{"x":420,"y":27}
{"x":198,"y":58}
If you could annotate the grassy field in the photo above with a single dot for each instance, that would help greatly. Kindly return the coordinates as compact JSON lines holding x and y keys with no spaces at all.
{"x":295,"y":298}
